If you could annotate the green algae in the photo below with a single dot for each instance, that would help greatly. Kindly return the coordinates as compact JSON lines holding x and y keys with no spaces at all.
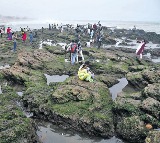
{"x":14,"y":125}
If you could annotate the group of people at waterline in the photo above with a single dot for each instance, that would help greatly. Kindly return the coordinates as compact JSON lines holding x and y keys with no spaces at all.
{"x":12,"y":36}
{"x":74,"y":48}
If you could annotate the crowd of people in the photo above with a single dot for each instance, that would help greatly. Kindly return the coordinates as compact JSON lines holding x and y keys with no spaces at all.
{"x":13,"y":36}
{"x":94,"y":32}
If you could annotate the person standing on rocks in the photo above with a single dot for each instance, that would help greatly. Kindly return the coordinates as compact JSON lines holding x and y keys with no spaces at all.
{"x":8,"y":32}
{"x":91,"y":34}
{"x":1,"y":32}
{"x":49,"y":26}
{"x":14,"y":38}
{"x":42,"y":29}
{"x":80,"y":51}
{"x":31,"y":37}
{"x":22,"y":30}
{"x":24,"y":37}
{"x":140,"y":48}
{"x":99,"y":40}
{"x":95,"y":27}
{"x":73,"y":48}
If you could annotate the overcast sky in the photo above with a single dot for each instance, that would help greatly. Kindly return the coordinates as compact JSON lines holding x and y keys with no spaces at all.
{"x":123,"y":10}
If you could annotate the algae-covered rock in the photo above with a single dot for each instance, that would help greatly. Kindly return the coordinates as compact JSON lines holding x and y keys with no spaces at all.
{"x":137,"y":68}
{"x":55,"y":50}
{"x":153,"y":137}
{"x":127,"y":104}
{"x":88,"y":102}
{"x":20,"y":74}
{"x":135,"y":105}
{"x":35,"y":96}
{"x":107,"y":79}
{"x":74,"y":104}
{"x":131,"y":129}
{"x":152,"y":90}
{"x":136,"y":79}
{"x":152,"y":75}
{"x":151,"y":106}
{"x":143,"y":78}
{"x":15,"y":127}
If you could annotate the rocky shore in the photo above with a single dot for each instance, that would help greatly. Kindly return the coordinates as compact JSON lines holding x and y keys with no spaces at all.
{"x":86,"y":107}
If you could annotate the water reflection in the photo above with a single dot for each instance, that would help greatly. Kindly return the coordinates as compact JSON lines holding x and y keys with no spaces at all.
{"x":51,"y":43}
{"x":20,"y":94}
{"x":47,"y":42}
{"x":117,"y":88}
{"x":55,"y":78}
{"x":156,"y":60}
{"x":49,"y":133}
{"x":132,"y":44}
{"x":4,"y":67}
{"x":62,"y":45}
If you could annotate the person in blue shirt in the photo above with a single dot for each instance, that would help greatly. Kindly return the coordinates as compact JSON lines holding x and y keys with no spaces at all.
{"x":31,"y":37}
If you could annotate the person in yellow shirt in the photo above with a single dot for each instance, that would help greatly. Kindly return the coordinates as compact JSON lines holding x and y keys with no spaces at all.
{"x":85,"y":74}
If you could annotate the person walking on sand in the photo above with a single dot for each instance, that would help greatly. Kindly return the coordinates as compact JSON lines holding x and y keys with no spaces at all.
{"x":140,"y":48}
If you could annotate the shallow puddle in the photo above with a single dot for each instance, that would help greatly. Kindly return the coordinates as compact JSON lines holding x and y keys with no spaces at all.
{"x":48,"y":42}
{"x":117,"y":88}
{"x":20,"y":94}
{"x":4,"y":67}
{"x":62,"y":45}
{"x":156,"y":60}
{"x":55,"y":78}
{"x":49,"y":133}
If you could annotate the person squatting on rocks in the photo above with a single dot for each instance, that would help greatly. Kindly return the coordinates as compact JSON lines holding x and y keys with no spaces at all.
{"x":140,"y":48}
{"x":85,"y":74}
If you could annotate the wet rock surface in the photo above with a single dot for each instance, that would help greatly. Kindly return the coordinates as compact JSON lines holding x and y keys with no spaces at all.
{"x":73,"y":104}
{"x":153,"y":136}
{"x":15,"y":127}
{"x":84,"y":106}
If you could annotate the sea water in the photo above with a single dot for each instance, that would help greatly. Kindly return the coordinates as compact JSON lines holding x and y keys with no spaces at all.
{"x":37,"y":24}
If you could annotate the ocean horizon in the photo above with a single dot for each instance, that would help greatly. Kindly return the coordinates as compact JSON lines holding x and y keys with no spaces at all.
{"x":39,"y":23}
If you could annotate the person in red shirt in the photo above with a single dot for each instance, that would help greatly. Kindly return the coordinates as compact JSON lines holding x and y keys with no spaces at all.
{"x":24,"y":37}
{"x":8,"y":32}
